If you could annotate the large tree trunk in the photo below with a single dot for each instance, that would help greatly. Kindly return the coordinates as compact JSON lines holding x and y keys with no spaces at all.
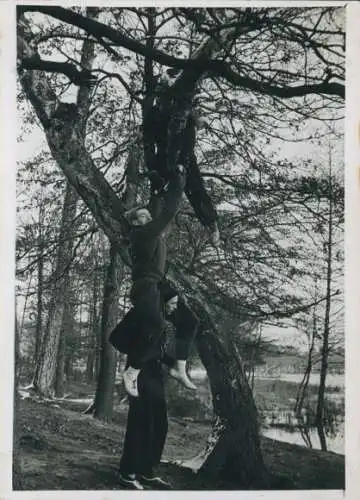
{"x":232,"y":450}
{"x":45,"y":373}
{"x":106,"y":379}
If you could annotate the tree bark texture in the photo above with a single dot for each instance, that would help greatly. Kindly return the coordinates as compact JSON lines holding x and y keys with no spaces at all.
{"x":45,"y":372}
{"x":67,"y":331}
{"x":232,"y":450}
{"x":109,"y":317}
{"x":39,"y":294}
{"x":236,"y":453}
{"x":94,"y":319}
{"x":16,"y":465}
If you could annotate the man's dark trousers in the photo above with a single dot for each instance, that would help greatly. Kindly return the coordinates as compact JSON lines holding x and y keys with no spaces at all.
{"x":147,"y":423}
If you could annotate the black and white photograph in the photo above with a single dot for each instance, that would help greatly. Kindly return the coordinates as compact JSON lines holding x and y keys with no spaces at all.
{"x":179,"y":249}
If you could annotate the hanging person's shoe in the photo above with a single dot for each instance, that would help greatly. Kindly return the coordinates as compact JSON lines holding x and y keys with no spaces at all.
{"x":130,"y":378}
{"x":178,"y":372}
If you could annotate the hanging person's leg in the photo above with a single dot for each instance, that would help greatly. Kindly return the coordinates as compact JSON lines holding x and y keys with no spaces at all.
{"x":186,"y":326}
{"x":186,"y":323}
{"x":178,"y":122}
{"x":200,"y":200}
{"x":195,"y":189}
{"x":148,"y":321}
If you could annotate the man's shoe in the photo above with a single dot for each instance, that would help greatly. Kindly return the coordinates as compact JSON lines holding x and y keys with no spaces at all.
{"x":129,"y":481}
{"x":153,"y":482}
{"x":130,"y":381}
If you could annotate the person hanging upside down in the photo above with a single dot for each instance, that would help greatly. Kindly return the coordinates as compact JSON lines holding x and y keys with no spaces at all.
{"x":148,"y":254}
{"x":174,"y":136}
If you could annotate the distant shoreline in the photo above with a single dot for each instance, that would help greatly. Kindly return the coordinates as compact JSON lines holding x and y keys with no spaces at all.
{"x":332,"y":379}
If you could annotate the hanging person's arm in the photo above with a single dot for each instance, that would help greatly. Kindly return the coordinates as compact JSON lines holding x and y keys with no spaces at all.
{"x":170,"y":204}
{"x":157,"y":187}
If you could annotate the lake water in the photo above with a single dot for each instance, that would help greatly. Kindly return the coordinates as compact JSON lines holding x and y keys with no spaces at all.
{"x":334,"y":443}
{"x":332,"y":379}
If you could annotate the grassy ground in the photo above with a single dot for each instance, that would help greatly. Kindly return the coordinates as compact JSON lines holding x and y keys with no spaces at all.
{"x":61,"y":449}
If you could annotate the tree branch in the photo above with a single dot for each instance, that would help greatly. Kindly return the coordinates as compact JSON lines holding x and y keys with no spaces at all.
{"x":200,"y":64}
{"x":76,"y":77}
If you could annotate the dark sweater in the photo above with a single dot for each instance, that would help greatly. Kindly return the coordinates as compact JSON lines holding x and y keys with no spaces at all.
{"x":147,"y":247}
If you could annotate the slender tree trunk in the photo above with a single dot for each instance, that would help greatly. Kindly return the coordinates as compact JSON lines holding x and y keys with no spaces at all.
{"x":16,"y":465}
{"x":60,"y":367}
{"x":93,"y":329}
{"x":103,"y":404}
{"x":106,"y":380}
{"x":23,"y":316}
{"x":319,"y":417}
{"x":303,"y":389}
{"x":40,"y":280}
{"x":66,"y":332}
{"x":45,"y":373}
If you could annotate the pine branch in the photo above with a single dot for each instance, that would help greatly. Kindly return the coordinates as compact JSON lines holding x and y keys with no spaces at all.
{"x":201,"y":64}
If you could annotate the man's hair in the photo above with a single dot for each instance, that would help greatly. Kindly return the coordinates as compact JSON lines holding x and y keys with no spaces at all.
{"x":131,"y":215}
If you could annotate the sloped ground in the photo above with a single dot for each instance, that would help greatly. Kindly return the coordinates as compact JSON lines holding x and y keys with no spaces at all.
{"x":61,"y":449}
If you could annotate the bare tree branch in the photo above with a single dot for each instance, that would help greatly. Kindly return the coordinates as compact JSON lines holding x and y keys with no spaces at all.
{"x":200,"y":64}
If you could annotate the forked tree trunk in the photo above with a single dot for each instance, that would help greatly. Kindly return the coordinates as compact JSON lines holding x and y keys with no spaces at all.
{"x":45,"y":373}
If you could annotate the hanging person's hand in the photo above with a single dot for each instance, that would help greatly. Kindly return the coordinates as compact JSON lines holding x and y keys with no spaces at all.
{"x":179,"y":173}
{"x":157,"y":182}
{"x":180,"y":169}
